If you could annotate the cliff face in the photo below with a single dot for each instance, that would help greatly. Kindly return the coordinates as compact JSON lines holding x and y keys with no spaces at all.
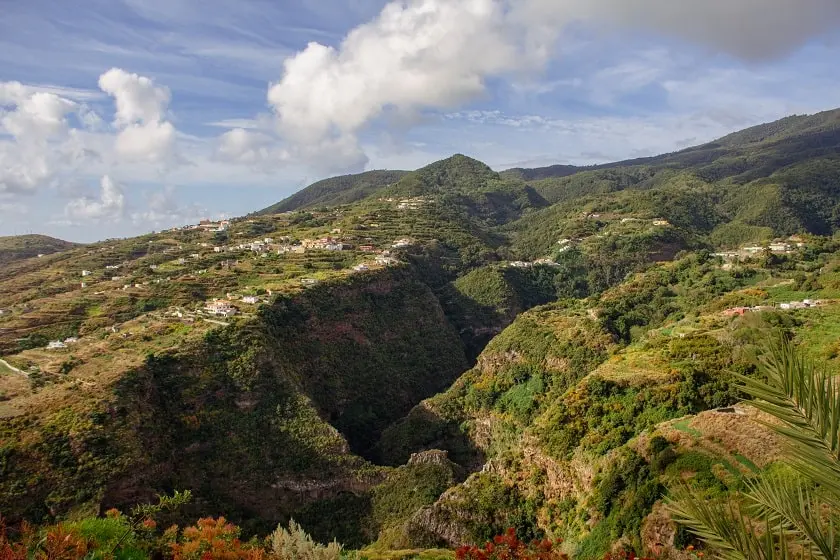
{"x":258,"y":420}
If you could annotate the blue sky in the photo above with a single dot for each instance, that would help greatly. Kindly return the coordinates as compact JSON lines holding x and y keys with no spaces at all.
{"x":119,"y":117}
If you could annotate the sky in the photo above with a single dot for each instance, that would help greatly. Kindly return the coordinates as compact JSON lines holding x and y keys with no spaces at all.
{"x":121,"y":117}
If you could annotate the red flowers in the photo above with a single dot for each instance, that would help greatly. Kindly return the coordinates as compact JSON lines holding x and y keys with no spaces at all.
{"x":509,"y":547}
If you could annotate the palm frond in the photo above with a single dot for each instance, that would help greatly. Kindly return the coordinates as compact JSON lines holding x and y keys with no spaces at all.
{"x":726,"y":528}
{"x":795,"y":508}
{"x":807,"y":402}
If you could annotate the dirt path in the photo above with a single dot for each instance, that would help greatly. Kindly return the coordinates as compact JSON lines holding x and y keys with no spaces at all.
{"x":12,"y":368}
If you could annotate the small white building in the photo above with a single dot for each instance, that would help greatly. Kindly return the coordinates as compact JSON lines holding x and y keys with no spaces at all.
{"x":308,"y":281}
{"x":221,"y":308}
{"x":361,"y":267}
{"x":400,"y":243}
{"x":55,"y":345}
{"x":253,"y":300}
{"x":386,"y":260}
{"x":86,"y":273}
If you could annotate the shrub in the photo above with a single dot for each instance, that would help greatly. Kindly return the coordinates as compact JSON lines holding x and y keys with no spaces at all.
{"x":212,"y":539}
{"x":294,"y":544}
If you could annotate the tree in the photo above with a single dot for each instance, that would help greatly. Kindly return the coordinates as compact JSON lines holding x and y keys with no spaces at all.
{"x":782,"y":517}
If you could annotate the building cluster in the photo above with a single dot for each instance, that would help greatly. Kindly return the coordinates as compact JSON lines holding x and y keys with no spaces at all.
{"x":205,"y":225}
{"x":58,"y":344}
{"x":411,"y":203}
{"x":777,"y":248}
{"x":743,"y":310}
{"x":531,"y":264}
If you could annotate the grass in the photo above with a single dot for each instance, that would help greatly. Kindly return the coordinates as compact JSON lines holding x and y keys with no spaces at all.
{"x":746,"y":462}
{"x":683,"y":426}
{"x":409,"y":554}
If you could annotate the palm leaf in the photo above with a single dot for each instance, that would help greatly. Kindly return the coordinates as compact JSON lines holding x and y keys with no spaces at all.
{"x":727,"y":529}
{"x":805,"y":400}
{"x":797,"y":509}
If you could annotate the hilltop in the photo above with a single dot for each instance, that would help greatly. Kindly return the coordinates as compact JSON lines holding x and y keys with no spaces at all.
{"x":335,"y":190}
{"x":412,"y":360}
{"x":21,"y":247}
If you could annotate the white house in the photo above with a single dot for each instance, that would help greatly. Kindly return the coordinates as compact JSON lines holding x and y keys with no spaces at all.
{"x":386,"y":260}
{"x":71,"y":340}
{"x":55,"y":345}
{"x":220,"y":308}
{"x":361,"y":267}
{"x":253,"y":300}
{"x":86,"y":273}
{"x":405,"y":242}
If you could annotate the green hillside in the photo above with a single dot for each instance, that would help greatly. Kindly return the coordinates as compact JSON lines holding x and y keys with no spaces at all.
{"x":410,"y":362}
{"x":335,"y":190}
{"x":20,"y":247}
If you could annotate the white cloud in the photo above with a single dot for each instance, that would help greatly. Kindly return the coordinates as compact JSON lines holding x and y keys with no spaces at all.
{"x":37,"y":123}
{"x":152,"y":142}
{"x":247,"y":124}
{"x":145,"y":135}
{"x":38,"y":117}
{"x":244,"y":146}
{"x":22,"y":171}
{"x":439,"y":54}
{"x":138,"y":99}
{"x":414,"y":55}
{"x":165,"y":211}
{"x":110,"y":206}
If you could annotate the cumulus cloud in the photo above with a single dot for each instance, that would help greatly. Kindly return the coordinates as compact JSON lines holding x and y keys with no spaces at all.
{"x":145,"y":135}
{"x":424,"y":53}
{"x":138,"y":99}
{"x":38,"y":117}
{"x":37,"y":123}
{"x":151,"y":142}
{"x":110,"y":206}
{"x":22,"y":171}
{"x":439,"y":54}
{"x":244,"y":146}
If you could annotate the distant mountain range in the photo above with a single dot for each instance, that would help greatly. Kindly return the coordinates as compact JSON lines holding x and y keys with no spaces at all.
{"x":771,"y":179}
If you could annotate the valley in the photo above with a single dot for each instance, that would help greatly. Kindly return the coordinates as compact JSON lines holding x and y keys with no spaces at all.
{"x":411,"y":362}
